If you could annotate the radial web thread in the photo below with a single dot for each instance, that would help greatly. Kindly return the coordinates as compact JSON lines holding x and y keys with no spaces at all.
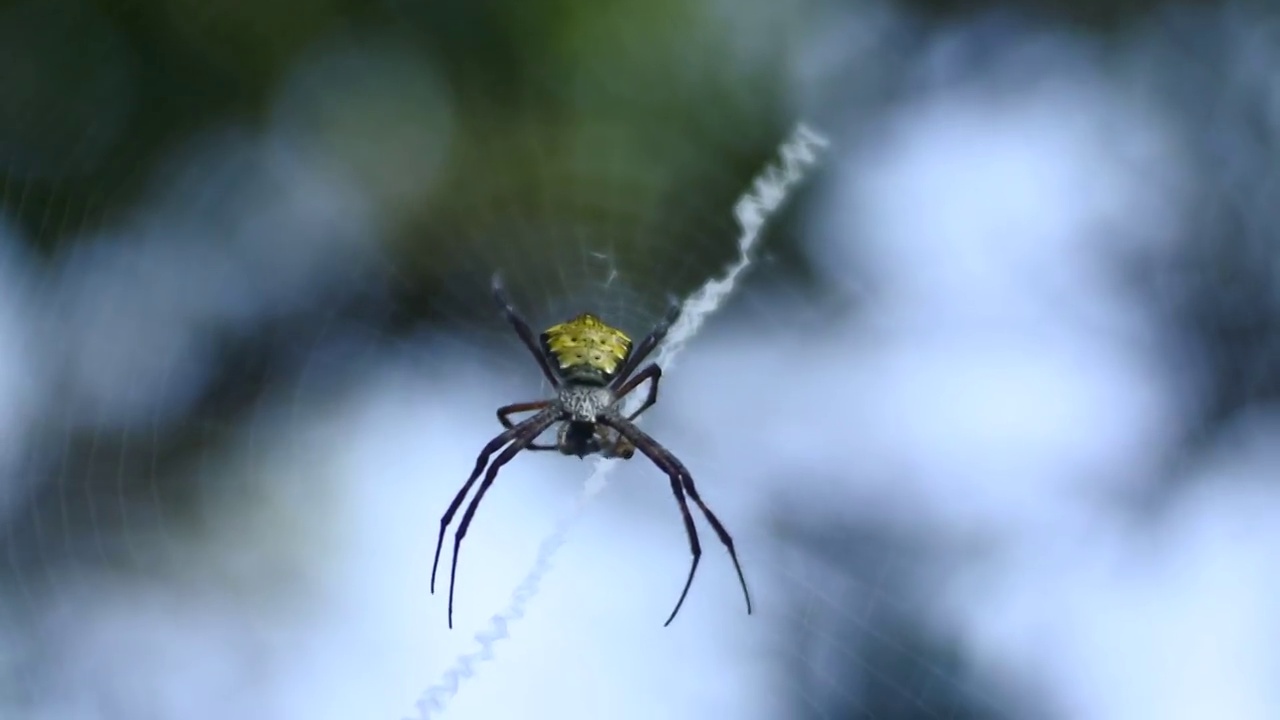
{"x":768,"y":191}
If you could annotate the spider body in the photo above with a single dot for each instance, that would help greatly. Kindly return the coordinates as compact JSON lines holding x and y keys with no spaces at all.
{"x":586,"y":351}
{"x":593,"y":367}
{"x":585,"y":402}
{"x":582,"y":434}
{"x":583,"y":439}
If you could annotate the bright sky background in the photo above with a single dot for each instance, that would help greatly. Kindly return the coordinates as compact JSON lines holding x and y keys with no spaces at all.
{"x":992,"y":392}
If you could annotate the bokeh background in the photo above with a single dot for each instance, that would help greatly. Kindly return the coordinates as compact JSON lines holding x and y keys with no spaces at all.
{"x":991,"y":417}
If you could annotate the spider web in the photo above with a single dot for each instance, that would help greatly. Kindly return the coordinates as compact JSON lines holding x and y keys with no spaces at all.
{"x":254,"y":351}
{"x":249,"y":354}
{"x":751,"y":211}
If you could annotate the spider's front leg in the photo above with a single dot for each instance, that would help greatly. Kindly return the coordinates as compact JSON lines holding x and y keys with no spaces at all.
{"x":612,"y":444}
{"x":506,"y":411}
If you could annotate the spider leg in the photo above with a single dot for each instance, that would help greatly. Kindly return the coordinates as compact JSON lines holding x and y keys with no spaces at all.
{"x":522,"y":329}
{"x":613,"y":445}
{"x":481,"y":460}
{"x":529,"y":430}
{"x":681,"y":483}
{"x":650,"y":372}
{"x":648,"y":344}
{"x":717,"y":526}
{"x":505,"y":412}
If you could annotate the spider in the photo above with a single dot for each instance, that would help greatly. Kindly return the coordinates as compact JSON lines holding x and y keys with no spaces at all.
{"x":592,"y":367}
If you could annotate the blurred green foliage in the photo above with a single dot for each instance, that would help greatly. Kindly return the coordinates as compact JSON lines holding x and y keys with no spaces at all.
{"x":563,"y":109}
{"x":634,"y":121}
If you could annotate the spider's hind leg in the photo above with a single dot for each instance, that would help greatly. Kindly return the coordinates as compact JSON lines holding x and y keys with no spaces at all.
{"x":522,"y":329}
{"x":649,"y":343}
{"x":651,"y":372}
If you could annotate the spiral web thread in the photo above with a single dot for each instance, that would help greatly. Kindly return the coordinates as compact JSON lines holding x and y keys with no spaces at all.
{"x":768,"y":191}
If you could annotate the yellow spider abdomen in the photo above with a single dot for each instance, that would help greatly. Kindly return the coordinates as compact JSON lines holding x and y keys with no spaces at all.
{"x":586,"y":349}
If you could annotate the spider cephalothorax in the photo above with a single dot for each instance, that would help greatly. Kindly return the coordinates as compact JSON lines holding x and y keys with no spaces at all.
{"x":592,"y":367}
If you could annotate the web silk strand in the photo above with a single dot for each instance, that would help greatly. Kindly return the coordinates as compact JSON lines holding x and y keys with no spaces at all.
{"x":769,"y":190}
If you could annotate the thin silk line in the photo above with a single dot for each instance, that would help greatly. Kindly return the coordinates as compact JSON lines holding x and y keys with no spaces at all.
{"x":769,"y":189}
